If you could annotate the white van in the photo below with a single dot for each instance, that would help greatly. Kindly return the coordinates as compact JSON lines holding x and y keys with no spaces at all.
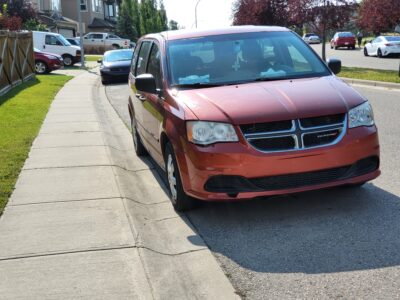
{"x":57,"y":44}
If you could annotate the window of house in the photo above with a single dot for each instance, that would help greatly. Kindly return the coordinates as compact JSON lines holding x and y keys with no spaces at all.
{"x":55,"y":5}
{"x":110,"y":10}
{"x":96,"y":6}
{"x":83,"y":5}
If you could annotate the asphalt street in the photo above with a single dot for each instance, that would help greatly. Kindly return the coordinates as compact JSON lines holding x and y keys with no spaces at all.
{"x":356,"y":58}
{"x":336,"y":243}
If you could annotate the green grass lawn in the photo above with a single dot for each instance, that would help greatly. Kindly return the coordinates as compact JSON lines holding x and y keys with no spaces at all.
{"x":22,"y":112}
{"x":93,"y":57}
{"x":370,"y":74}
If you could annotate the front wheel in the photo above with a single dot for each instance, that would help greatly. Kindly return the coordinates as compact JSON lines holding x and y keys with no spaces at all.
{"x":68,"y":60}
{"x":140,"y":150}
{"x":365,"y":52}
{"x":41,"y":67}
{"x":180,"y":201}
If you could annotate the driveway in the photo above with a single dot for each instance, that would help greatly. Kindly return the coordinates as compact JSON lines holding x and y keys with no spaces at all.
{"x":337,"y":243}
{"x":356,"y":58}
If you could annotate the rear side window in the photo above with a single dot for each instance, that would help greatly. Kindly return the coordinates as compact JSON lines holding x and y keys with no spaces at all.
{"x":97,"y":36}
{"x":52,"y":40}
{"x":154,"y":65}
{"x":142,"y":59}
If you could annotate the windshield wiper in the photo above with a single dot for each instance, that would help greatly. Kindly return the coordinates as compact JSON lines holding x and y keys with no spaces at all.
{"x":196,"y":85}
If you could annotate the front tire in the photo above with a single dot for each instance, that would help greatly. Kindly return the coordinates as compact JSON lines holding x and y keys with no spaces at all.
{"x":180,"y":201}
{"x":41,"y":67}
{"x":365,"y":52}
{"x":140,"y":150}
{"x":68,"y":60}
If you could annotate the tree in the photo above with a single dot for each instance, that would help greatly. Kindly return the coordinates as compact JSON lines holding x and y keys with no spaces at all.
{"x":256,"y":12}
{"x":163,"y":17}
{"x":173,"y":25}
{"x":126,"y":23}
{"x":379,"y":15}
{"x":321,"y":15}
{"x":18,"y":8}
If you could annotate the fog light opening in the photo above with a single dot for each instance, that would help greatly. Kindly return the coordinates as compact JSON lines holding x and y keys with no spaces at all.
{"x":232,"y":195}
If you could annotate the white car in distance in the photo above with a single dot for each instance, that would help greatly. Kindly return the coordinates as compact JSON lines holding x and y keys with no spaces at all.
{"x":383,"y":46}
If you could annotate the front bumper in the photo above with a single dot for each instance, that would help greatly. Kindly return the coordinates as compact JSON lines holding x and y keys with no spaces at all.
{"x":114,"y":75}
{"x":198,"y":165}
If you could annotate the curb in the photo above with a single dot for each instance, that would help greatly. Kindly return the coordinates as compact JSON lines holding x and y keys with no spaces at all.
{"x":382,"y":84}
{"x":176,"y":259}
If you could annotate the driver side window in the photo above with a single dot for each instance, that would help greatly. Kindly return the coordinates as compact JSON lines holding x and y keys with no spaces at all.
{"x":154,"y":65}
{"x":52,"y":40}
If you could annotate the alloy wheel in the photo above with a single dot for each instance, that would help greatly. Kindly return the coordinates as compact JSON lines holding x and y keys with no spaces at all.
{"x":67,"y":61}
{"x":40,"y":67}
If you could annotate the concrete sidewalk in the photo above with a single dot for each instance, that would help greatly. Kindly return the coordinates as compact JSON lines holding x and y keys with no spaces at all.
{"x":90,"y":220}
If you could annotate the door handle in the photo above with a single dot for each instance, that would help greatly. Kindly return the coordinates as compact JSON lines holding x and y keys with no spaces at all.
{"x":141,"y":97}
{"x":44,"y":46}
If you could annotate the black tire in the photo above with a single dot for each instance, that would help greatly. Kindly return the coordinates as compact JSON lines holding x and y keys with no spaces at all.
{"x":380,"y":53}
{"x":41,"y":67}
{"x":336,"y":47}
{"x":115,"y":47}
{"x":180,"y":201}
{"x":68,"y":60}
{"x":365,"y":52}
{"x":140,"y":150}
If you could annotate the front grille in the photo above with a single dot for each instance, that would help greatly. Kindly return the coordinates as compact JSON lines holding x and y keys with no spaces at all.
{"x":275,"y":144}
{"x":238,"y":184}
{"x":267,"y":127}
{"x":296,"y":134}
{"x":126,"y":69}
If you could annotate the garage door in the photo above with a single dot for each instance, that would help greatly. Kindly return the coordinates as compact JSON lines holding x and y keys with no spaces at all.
{"x":68,"y":33}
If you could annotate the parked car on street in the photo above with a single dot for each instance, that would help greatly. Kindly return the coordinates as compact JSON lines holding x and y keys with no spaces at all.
{"x":105,"y":40}
{"x":47,"y":62}
{"x":311,"y":38}
{"x":343,"y":39}
{"x":57,"y":44}
{"x":383,"y":46}
{"x":74,"y":41}
{"x":245,"y":112}
{"x":115,"y":65}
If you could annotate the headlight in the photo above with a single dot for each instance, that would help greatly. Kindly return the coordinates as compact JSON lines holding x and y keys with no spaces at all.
{"x":103,"y":68}
{"x":206,"y":133}
{"x":51,"y":56}
{"x":361,"y":115}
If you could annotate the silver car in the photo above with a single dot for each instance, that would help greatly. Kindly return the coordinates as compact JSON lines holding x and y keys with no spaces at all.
{"x":311,"y":38}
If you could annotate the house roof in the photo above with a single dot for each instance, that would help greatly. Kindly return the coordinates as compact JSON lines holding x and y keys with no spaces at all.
{"x":100,"y":23}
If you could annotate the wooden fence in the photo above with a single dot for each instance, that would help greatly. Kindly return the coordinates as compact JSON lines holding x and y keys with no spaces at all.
{"x":17,"y":62}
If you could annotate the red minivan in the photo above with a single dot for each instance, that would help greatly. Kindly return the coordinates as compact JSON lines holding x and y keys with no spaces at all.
{"x":245,"y":112}
{"x":343,"y":39}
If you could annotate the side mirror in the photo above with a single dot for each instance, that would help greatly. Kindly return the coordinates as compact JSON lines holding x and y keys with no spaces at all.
{"x":146,"y":83}
{"x":99,"y":61}
{"x":335,"y":65}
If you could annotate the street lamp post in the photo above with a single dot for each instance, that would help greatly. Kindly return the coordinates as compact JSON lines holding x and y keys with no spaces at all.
{"x":195,"y":12}
{"x":81,"y":33}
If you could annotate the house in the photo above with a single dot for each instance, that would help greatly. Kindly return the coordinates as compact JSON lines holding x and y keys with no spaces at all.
{"x":50,"y":13}
{"x":97,"y":15}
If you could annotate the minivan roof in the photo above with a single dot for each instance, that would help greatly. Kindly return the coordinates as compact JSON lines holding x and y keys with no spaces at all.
{"x":195,"y":33}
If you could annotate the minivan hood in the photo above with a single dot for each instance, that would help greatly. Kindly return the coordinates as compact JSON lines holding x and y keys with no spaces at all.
{"x":271,"y":101}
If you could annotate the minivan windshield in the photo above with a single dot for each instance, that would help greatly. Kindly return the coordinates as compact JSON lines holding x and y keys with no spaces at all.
{"x":240,"y":58}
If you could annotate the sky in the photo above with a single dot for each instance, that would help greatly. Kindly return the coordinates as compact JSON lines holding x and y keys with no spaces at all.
{"x":210,"y":13}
